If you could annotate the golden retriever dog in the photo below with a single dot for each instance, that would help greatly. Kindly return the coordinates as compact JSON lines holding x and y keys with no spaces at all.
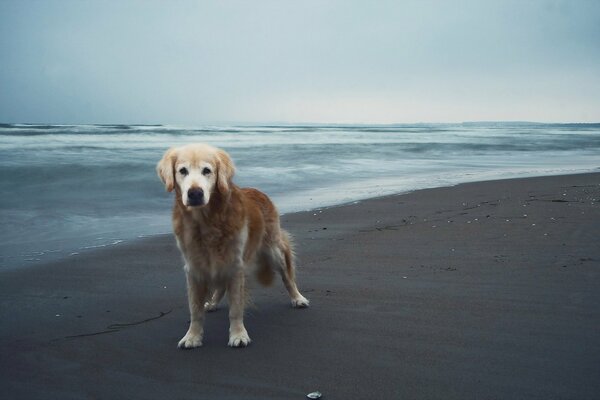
{"x":223,"y":231}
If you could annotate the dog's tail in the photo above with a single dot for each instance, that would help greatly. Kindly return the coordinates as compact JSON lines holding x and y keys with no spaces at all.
{"x":282,"y":260}
{"x":265,"y":274}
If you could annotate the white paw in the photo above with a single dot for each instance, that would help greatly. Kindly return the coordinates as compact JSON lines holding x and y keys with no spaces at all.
{"x":190,"y":340}
{"x":239,"y":339}
{"x":300,"y":302}
{"x":210,"y":306}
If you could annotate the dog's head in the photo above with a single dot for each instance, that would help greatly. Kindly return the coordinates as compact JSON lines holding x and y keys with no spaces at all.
{"x":196,"y":172}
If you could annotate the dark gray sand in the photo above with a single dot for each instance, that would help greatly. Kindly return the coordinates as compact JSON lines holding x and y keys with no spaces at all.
{"x":480,"y":291}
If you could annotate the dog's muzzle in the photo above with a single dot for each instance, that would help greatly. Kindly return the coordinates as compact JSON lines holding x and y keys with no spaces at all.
{"x":195,"y":197}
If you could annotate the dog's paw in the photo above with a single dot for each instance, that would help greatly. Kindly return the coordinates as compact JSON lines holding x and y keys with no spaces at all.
{"x":190,"y":341}
{"x":300,"y":302}
{"x":239,"y":339}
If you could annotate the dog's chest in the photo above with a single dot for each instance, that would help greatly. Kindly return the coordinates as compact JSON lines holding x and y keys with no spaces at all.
{"x":209,"y":250}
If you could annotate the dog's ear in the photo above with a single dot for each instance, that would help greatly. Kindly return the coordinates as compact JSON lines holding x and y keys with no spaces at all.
{"x":225,"y":171}
{"x":165,"y":167}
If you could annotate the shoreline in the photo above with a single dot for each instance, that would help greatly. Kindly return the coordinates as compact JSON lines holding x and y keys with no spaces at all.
{"x":480,"y":290}
{"x":476,"y":181}
{"x":127,"y":241}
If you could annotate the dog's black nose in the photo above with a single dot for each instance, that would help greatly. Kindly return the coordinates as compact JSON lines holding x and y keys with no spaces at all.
{"x":195,"y":197}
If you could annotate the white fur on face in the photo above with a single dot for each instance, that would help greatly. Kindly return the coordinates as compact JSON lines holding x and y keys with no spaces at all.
{"x":195,"y":178}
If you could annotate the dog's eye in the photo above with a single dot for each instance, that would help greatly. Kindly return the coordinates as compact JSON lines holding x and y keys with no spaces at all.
{"x":183,"y":171}
{"x":206,"y":171}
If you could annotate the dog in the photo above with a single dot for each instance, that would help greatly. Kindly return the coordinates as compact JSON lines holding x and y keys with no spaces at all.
{"x":223,"y":232}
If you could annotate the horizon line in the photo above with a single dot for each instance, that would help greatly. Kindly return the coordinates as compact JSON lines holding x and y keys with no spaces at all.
{"x":281,"y":123}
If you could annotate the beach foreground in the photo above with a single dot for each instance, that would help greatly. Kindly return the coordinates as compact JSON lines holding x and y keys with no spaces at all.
{"x":482,"y":290}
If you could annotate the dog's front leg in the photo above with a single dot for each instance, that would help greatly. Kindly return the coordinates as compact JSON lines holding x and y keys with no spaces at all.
{"x":196,"y":290}
{"x":238,"y":336}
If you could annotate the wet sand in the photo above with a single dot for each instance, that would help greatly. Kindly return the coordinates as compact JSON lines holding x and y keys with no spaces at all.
{"x":482,"y":290}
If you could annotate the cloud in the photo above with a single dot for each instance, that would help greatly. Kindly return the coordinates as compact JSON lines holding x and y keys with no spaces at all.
{"x":192,"y":62}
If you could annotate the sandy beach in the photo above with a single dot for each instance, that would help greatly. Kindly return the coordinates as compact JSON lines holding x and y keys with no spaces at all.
{"x":485,"y":290}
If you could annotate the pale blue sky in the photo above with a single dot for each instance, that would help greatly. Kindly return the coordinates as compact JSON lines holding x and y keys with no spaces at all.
{"x":203,"y":62}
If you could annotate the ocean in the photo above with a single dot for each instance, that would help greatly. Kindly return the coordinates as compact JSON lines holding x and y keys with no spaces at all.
{"x":68,"y":189}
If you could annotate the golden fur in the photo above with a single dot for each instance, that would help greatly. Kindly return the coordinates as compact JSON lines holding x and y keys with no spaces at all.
{"x":222,"y":230}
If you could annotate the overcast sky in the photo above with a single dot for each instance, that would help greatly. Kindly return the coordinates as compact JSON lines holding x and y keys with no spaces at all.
{"x":204,"y":62}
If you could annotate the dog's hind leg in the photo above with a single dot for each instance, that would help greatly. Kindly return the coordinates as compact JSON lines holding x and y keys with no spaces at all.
{"x":284,"y":259}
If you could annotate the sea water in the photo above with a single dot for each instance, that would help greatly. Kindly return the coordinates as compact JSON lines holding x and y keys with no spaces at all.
{"x":70,"y":188}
